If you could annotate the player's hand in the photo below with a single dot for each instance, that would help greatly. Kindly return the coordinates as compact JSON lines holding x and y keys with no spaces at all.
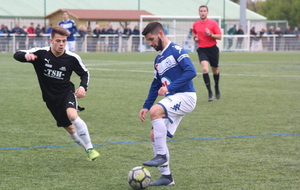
{"x":163,"y":91}
{"x":143,"y":114}
{"x":30,"y":57}
{"x":80,"y":92}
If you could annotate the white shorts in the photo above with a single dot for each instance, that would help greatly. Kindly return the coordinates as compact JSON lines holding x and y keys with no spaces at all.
{"x":176,"y":107}
{"x":70,"y":45}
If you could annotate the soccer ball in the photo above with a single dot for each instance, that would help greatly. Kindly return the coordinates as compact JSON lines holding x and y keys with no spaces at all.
{"x":139,"y":177}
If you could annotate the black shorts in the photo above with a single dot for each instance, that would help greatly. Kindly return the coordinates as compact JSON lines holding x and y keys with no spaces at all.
{"x":210,"y":54}
{"x":58,"y":109}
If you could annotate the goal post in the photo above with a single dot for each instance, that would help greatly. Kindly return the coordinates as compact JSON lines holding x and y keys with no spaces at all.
{"x":178,"y":29}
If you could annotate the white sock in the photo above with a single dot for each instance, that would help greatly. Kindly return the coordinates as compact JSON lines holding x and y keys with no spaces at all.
{"x":77,"y":139}
{"x":160,"y":136}
{"x":83,"y":133}
{"x":166,"y":169}
{"x":154,"y":149}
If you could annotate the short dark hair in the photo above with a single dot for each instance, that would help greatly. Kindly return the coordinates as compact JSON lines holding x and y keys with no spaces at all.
{"x":203,"y":6}
{"x":153,"y":28}
{"x":58,"y":30}
{"x":64,"y":12}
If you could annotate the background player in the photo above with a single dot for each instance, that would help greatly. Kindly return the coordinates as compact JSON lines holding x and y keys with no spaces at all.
{"x":173,"y":74}
{"x":71,"y":27}
{"x":54,"y":66}
{"x":206,"y":32}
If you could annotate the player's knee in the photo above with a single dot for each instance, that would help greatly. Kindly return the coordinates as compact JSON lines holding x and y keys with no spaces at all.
{"x":70,"y":129}
{"x":72,"y":114}
{"x":156,"y":112}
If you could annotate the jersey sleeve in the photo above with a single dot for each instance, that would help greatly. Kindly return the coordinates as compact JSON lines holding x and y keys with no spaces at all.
{"x":153,"y":92}
{"x":20,"y":55}
{"x":189,"y":71}
{"x":216,"y":28}
{"x":74,"y":28}
{"x":82,"y":72}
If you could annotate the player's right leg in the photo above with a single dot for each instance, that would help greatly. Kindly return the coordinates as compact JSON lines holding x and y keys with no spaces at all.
{"x":159,"y":136}
{"x":206,"y":79}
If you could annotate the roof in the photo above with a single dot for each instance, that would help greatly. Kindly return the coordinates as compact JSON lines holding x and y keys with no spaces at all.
{"x":109,"y":15}
{"x":37,"y":8}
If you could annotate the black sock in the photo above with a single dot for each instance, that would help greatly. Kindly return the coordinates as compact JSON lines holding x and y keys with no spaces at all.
{"x":216,"y":78}
{"x":207,"y":81}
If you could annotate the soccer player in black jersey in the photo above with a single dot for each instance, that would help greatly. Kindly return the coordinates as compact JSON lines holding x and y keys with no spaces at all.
{"x":54,"y":66}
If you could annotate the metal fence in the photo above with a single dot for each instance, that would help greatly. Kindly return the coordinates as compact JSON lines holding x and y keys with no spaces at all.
{"x":123,"y":43}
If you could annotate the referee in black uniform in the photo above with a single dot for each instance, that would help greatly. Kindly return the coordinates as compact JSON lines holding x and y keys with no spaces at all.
{"x":54,"y":66}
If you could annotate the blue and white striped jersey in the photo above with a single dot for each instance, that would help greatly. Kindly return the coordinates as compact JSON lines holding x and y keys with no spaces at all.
{"x":69,"y":25}
{"x":174,"y":69}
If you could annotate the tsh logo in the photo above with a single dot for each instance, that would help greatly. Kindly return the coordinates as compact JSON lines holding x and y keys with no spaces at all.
{"x":176,"y":106}
{"x":53,"y":73}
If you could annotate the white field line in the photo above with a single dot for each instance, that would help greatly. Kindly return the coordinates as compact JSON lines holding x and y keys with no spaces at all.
{"x":223,"y":74}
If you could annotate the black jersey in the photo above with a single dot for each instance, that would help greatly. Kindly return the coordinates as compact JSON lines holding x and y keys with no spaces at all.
{"x":54,"y":73}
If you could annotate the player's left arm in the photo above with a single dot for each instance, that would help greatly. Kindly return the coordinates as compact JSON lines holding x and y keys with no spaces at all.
{"x":74,"y":29}
{"x":214,"y":32}
{"x":82,"y":72}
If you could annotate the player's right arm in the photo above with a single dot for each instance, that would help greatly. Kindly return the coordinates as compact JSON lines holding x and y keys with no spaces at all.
{"x":24,"y":56}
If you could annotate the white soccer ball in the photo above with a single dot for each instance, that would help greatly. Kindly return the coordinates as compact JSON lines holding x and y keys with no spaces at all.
{"x":139,"y":177}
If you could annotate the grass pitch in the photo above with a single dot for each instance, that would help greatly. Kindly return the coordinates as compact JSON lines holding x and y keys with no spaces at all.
{"x":249,"y":139}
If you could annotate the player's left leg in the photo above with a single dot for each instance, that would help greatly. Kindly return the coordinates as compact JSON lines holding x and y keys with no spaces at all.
{"x":214,"y":63}
{"x":216,"y":74}
{"x":80,"y":126}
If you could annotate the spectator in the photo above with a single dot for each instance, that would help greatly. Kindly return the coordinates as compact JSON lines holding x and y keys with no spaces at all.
{"x":264,"y":40}
{"x":119,"y":33}
{"x":279,"y":34}
{"x":31,"y":36}
{"x":166,"y":30}
{"x":4,"y":47}
{"x":103,"y":44}
{"x":96,"y":35}
{"x":253,"y":35}
{"x":39,"y":36}
{"x":89,"y":32}
{"x":231,"y":31}
{"x":296,"y":45}
{"x":80,"y":38}
{"x":127,"y":32}
{"x":288,"y":39}
{"x":111,"y":38}
{"x":135,"y":39}
{"x":239,"y":39}
{"x":20,"y":36}
{"x":271,"y":31}
{"x":49,"y":29}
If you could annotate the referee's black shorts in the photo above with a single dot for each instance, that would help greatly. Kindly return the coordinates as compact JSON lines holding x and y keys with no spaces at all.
{"x":210,"y":54}
{"x":58,"y":108}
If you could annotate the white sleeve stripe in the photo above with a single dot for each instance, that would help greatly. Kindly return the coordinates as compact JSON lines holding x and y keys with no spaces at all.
{"x":182,"y":57}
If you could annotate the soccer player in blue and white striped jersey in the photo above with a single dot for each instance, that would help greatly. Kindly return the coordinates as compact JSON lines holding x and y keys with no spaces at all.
{"x":173,"y":74}
{"x":71,"y":27}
